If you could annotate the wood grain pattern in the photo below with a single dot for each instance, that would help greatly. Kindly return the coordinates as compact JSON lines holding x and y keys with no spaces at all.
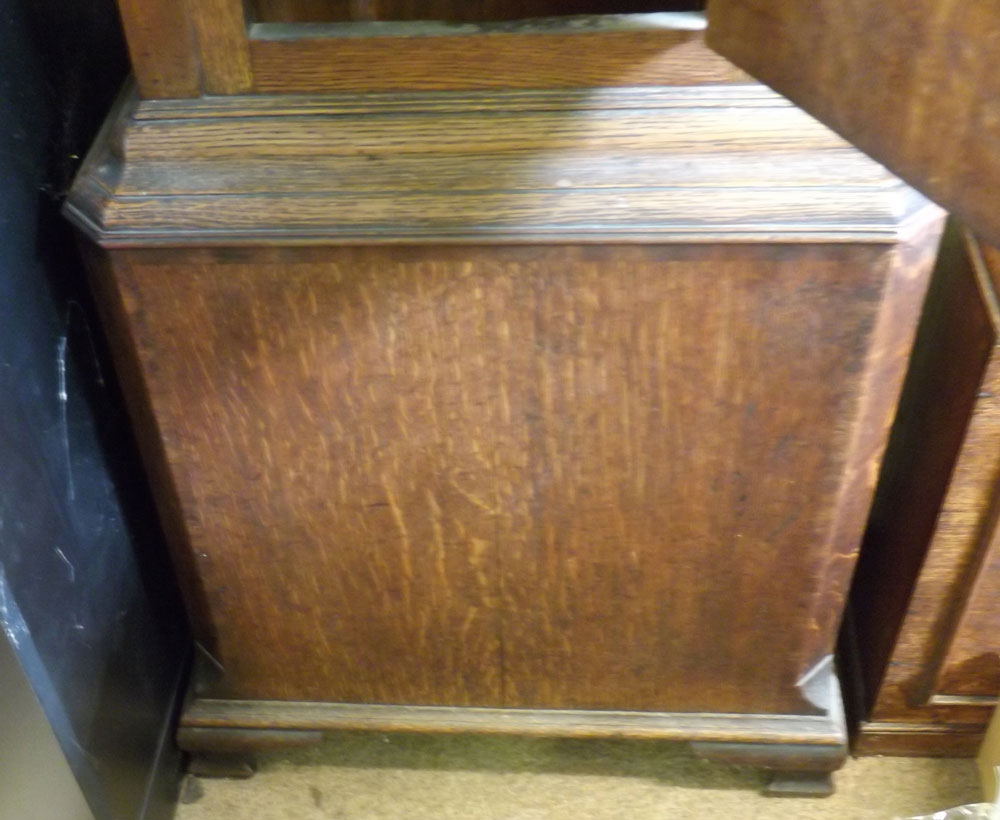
{"x":888,"y":356}
{"x":295,"y":61}
{"x":322,"y":11}
{"x":539,"y":410}
{"x":129,"y":371}
{"x":925,"y":593}
{"x":163,"y":48}
{"x":491,"y":498}
{"x":711,"y":163}
{"x":911,"y":82}
{"x":223,"y":47}
{"x":640,"y":477}
{"x":328,"y":427}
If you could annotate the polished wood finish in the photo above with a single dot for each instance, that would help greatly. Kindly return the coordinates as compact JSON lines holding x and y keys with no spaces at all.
{"x":924,"y":600}
{"x":699,"y":164}
{"x":914,"y":83}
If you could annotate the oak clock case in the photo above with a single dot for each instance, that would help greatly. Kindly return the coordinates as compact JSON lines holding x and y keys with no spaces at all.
{"x":922,"y":99}
{"x":519,"y":385}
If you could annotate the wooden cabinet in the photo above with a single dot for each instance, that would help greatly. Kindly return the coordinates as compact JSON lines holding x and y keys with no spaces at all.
{"x":915,"y":85}
{"x":547,"y":395}
{"x":922,"y":636}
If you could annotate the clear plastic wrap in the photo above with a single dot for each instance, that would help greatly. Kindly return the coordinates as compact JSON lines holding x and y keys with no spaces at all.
{"x":978,"y":811}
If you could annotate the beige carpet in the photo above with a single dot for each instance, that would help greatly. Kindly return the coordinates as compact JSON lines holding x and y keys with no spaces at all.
{"x":362,"y":776}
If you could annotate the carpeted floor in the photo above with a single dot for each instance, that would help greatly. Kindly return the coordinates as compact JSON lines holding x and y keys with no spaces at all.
{"x":364,"y":776}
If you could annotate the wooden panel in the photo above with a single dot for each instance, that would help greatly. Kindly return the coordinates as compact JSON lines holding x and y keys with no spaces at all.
{"x":129,"y":371}
{"x":221,"y":29}
{"x":708,"y":163}
{"x":323,"y":11}
{"x":329,"y":426}
{"x":293,"y":60}
{"x":941,"y":387}
{"x":811,"y":731}
{"x":162,"y":47}
{"x":918,"y":740}
{"x":655,"y":464}
{"x":478,"y":476}
{"x":924,"y":596}
{"x":914,"y":83}
{"x":972,"y":663}
{"x":563,"y":376}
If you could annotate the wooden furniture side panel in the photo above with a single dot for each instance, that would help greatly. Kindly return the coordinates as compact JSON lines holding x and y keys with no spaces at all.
{"x":944,"y":376}
{"x":924,"y":595}
{"x":329,"y":426}
{"x":682,"y":463}
{"x":908,"y":690}
{"x":106,"y":271}
{"x":972,"y":664}
{"x":556,"y":59}
{"x":549,"y":476}
{"x":913,"y":83}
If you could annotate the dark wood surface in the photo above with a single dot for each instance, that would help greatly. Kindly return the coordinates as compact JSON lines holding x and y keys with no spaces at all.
{"x":912,"y":82}
{"x":924,"y":598}
{"x":971,"y":667}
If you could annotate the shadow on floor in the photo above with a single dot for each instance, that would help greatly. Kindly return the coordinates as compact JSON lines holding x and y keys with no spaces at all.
{"x":670,"y":764}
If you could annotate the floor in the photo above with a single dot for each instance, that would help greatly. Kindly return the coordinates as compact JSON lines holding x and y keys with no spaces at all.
{"x":366,"y":776}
